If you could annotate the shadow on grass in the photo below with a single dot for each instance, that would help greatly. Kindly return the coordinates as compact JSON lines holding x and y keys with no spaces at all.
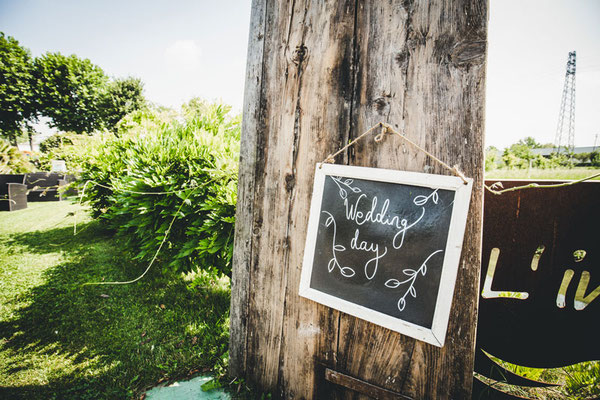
{"x":48,"y":240}
{"x":106,"y":341}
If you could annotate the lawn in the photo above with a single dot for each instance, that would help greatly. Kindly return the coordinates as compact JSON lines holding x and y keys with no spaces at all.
{"x":61,"y":339}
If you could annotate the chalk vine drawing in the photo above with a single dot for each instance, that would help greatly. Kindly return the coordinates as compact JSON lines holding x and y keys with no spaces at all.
{"x":339,"y":182}
{"x":345,"y":271}
{"x":412,"y":277}
{"x":377,"y":214}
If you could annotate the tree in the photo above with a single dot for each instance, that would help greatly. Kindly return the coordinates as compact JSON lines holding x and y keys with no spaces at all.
{"x":71,"y":91}
{"x":122,"y":97}
{"x":530,"y":142}
{"x":521,"y":150}
{"x":17,"y":104}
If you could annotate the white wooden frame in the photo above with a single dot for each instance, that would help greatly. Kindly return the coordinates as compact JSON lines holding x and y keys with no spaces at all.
{"x":436,"y":335}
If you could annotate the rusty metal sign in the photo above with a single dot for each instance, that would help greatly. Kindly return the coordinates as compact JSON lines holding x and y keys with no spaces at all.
{"x":540,"y":277}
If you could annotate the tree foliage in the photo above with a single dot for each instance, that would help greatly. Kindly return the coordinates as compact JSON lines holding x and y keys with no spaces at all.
{"x":71,"y":91}
{"x":591,"y":158}
{"x":520,"y":150}
{"x":123,"y":96}
{"x":74,"y":93}
{"x":530,"y":142}
{"x":595,"y":158}
{"x":17,"y":101}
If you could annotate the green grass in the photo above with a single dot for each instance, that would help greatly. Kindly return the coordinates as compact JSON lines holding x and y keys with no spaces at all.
{"x":580,"y":381}
{"x":535,"y":173}
{"x":60,"y":339}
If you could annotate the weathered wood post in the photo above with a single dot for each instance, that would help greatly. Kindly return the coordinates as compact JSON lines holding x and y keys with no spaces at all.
{"x":319,"y":74}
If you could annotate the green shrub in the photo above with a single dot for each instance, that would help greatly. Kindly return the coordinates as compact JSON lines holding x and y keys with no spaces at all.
{"x":595,"y":158}
{"x":213,"y":117}
{"x":513,"y":161}
{"x":56,"y":141}
{"x":195,"y":164}
{"x":67,"y":146}
{"x":491,"y":158}
{"x":147,"y":119}
{"x":12,"y":161}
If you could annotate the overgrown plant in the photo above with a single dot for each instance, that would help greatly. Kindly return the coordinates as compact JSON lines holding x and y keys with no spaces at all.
{"x":179,"y":175}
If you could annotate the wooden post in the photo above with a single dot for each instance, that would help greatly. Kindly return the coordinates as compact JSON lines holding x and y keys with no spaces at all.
{"x":318,"y":75}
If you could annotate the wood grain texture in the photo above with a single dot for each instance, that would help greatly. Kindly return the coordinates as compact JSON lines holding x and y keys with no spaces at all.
{"x":319,"y":74}
{"x":245,"y":209}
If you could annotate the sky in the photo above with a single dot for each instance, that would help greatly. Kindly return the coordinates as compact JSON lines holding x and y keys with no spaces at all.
{"x":528,"y":46}
{"x":180,"y":49}
{"x":187,"y":48}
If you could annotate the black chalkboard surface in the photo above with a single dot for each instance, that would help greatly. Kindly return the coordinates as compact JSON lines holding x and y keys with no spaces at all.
{"x":384,"y":246}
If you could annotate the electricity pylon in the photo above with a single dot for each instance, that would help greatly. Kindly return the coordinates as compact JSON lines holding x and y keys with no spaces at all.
{"x":567,"y":109}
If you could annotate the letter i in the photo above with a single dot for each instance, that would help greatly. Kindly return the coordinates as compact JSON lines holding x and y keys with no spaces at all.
{"x":562,"y":291}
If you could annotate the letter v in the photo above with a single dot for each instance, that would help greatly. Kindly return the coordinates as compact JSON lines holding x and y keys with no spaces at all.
{"x":582,"y":302}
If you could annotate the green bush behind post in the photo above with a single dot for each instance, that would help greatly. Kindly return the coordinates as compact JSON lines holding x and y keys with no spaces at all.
{"x":194,"y":163}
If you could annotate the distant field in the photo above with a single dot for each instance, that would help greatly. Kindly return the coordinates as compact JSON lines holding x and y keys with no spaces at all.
{"x":534,"y":173}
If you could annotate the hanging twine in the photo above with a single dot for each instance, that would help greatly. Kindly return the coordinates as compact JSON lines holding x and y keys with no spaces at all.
{"x":495,"y":191}
{"x":387,"y":129}
{"x":331,"y":158}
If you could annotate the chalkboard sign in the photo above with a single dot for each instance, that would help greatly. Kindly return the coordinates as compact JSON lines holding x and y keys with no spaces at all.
{"x":384,"y":246}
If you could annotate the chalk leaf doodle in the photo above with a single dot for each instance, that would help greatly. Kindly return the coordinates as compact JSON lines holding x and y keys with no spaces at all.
{"x":422,"y":200}
{"x":412,"y":277}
